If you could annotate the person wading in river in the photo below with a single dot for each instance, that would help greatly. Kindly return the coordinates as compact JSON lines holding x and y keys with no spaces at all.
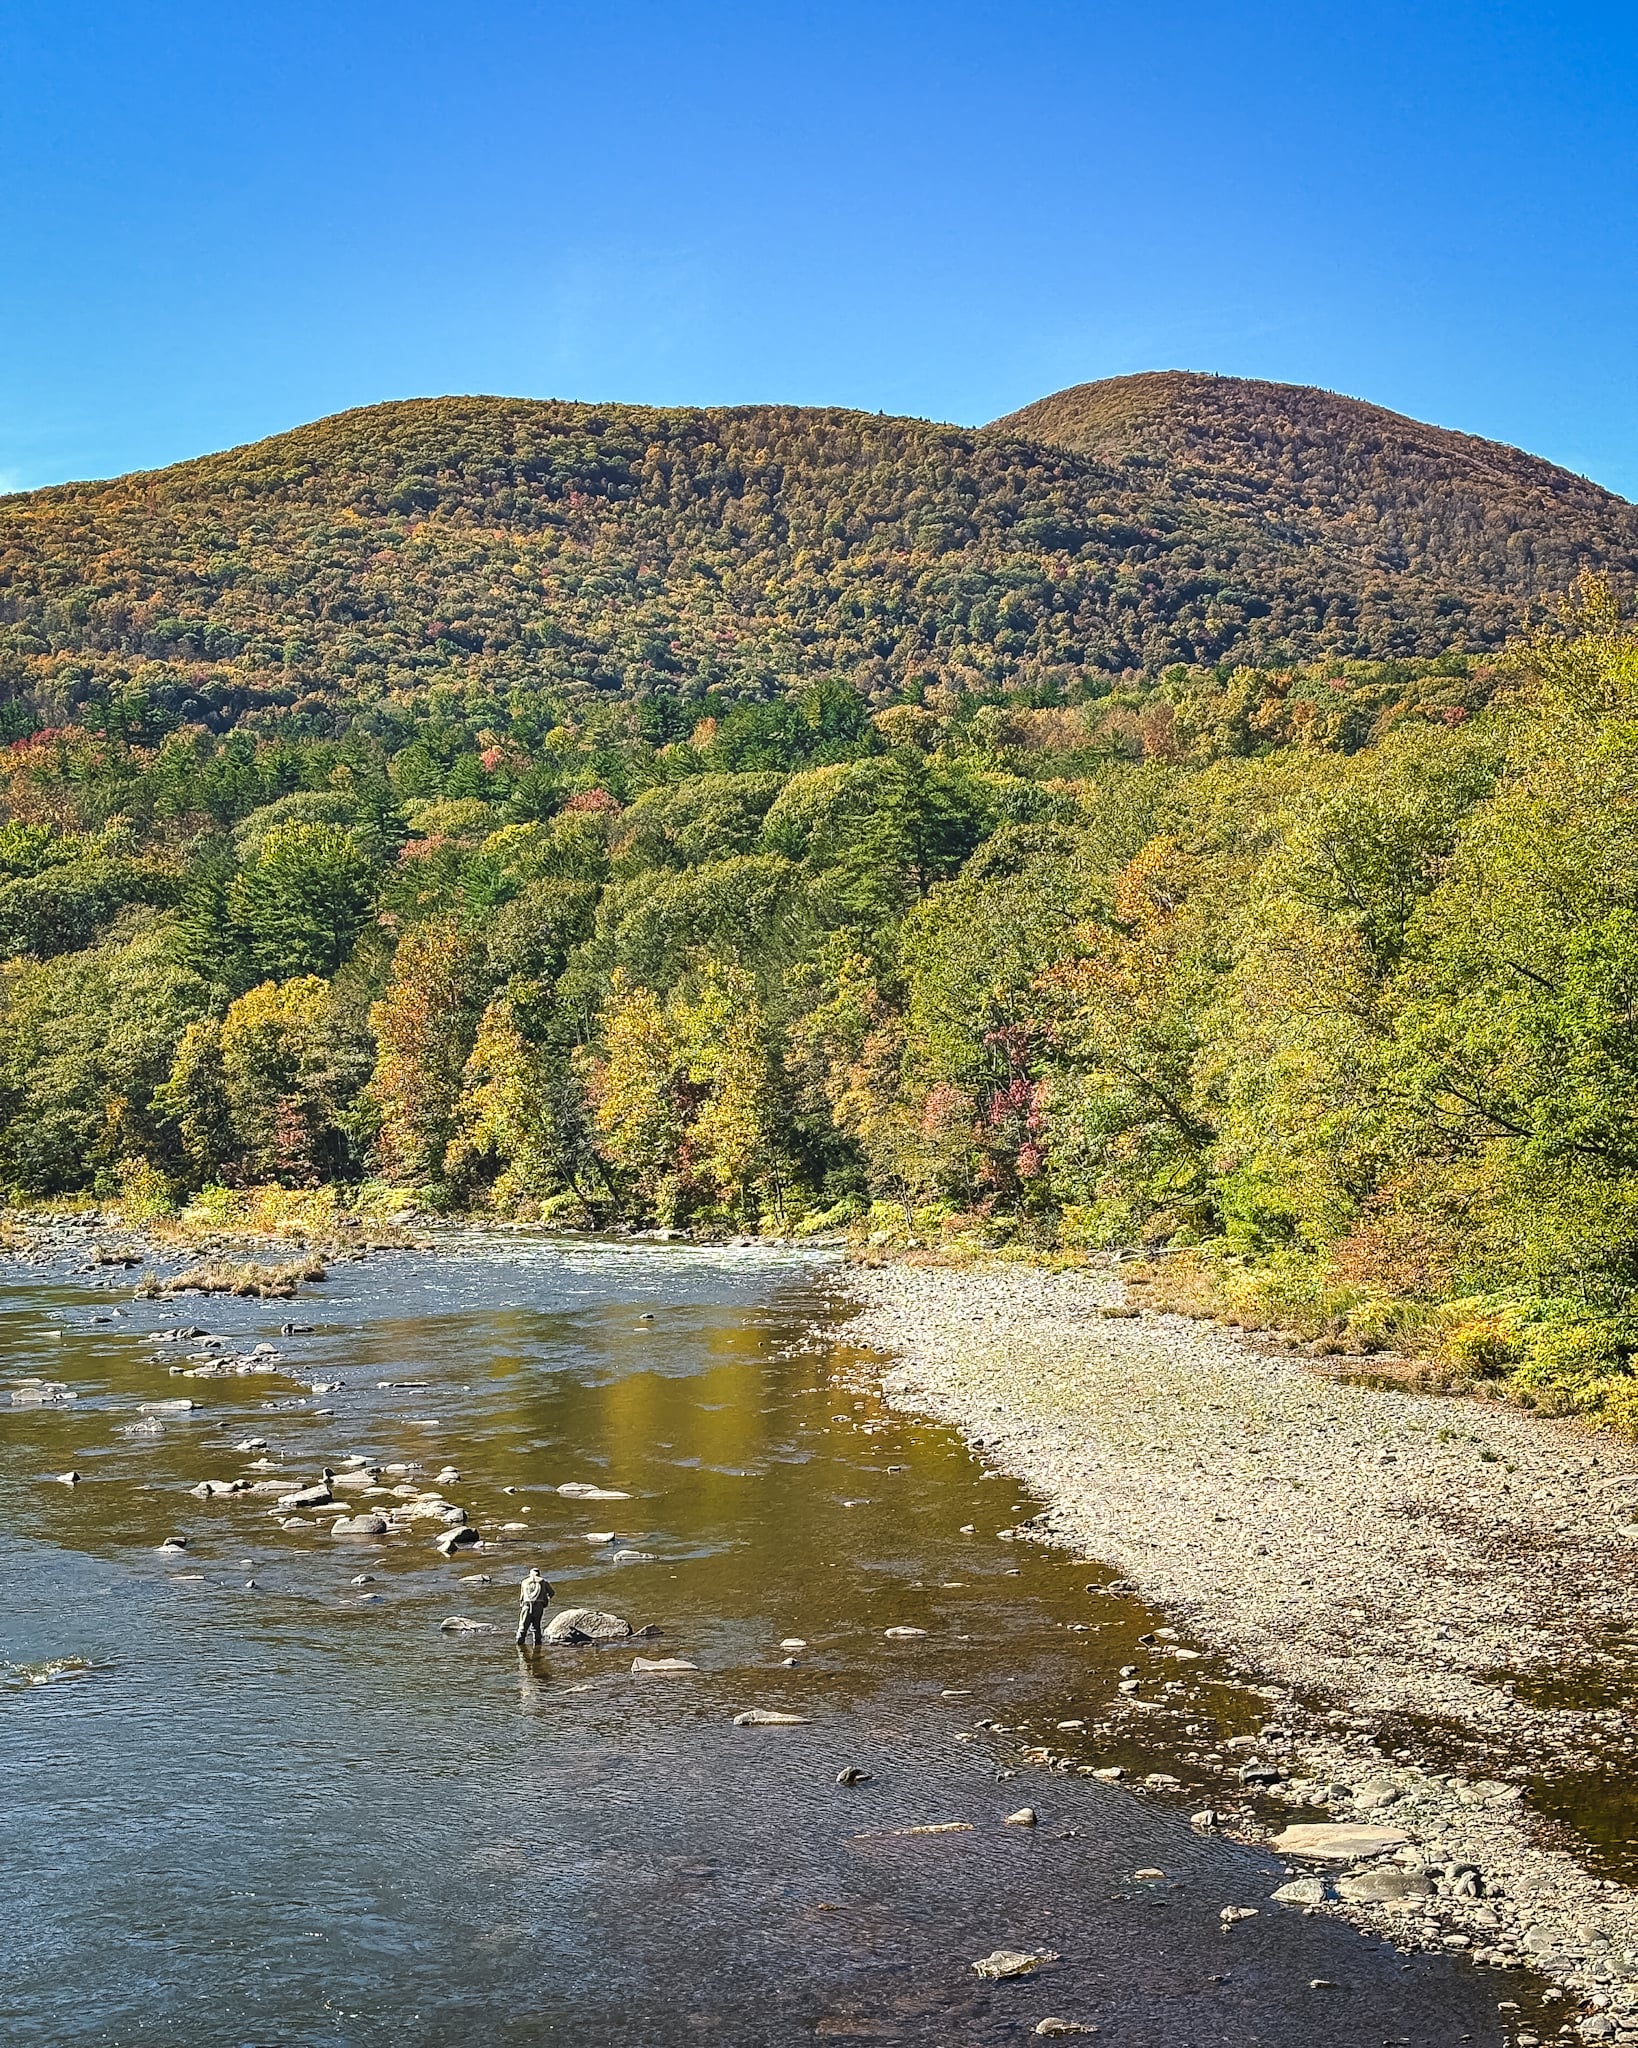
{"x":533,"y":1595}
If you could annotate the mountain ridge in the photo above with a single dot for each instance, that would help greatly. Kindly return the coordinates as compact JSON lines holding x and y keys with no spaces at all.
{"x":488,"y":545}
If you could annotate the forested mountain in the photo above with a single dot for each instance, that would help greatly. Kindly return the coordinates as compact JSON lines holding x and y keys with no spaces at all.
{"x":1402,"y":500}
{"x":502,"y":551}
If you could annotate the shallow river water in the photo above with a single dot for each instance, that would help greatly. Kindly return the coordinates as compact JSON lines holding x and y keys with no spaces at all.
{"x":248,"y":1800}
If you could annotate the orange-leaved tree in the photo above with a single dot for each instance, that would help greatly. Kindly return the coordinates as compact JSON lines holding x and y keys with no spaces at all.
{"x":424,"y":1025}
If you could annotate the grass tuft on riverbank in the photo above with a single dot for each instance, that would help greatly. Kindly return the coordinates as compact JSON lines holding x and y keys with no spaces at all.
{"x":249,"y":1279}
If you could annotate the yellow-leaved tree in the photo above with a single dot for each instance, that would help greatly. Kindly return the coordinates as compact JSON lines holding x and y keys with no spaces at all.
{"x":519,"y":1138}
{"x":639,"y":1098}
{"x":263,"y":1093}
{"x":735,"y":1141}
{"x":686,"y":1097}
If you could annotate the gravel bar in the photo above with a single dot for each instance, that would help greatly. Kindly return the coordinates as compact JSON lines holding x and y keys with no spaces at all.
{"x":1374,"y":1553}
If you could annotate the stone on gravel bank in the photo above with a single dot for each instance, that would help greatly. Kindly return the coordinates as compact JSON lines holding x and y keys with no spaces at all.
{"x":1337,"y":1844}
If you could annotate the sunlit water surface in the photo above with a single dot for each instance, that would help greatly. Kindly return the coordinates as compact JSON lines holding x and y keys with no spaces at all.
{"x":296,"y":1811}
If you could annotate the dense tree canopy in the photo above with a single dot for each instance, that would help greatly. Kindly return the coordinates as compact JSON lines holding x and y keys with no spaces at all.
{"x":775,"y":570}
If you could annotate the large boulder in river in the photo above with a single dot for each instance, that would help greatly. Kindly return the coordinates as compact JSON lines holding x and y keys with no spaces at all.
{"x":309,"y":1497}
{"x":359,"y":1525}
{"x":586,"y":1625}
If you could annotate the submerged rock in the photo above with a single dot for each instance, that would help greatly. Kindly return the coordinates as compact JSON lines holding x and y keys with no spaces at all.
{"x":1013,"y":1962}
{"x":662,"y":1664}
{"x":577,"y":1489}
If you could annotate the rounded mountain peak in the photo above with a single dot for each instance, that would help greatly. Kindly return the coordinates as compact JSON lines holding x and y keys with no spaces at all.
{"x":1325,"y":469}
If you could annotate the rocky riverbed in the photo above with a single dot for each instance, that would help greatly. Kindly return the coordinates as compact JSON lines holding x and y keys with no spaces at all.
{"x":806,"y":1808}
{"x":1440,"y":1594}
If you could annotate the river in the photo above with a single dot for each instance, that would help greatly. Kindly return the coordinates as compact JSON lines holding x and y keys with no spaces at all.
{"x":256,"y":1794}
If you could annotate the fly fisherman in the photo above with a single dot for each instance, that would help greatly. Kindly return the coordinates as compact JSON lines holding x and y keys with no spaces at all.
{"x":533,"y":1595}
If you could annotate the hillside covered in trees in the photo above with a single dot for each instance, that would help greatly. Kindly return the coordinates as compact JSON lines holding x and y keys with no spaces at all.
{"x":680,"y":877}
{"x":535,"y":563}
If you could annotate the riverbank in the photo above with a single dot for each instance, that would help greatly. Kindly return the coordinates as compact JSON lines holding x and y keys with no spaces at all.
{"x":1434,"y":1591}
{"x":113,"y":1237}
{"x":272,"y":1222}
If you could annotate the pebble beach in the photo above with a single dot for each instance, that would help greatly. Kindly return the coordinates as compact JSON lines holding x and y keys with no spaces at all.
{"x":1433,"y":1590}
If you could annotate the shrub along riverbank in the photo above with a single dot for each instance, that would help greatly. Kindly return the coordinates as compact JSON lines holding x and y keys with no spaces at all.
{"x":1348,"y":1035}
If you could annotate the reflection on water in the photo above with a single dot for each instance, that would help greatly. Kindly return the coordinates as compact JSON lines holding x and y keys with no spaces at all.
{"x":1598,"y":1800}
{"x":255,"y":1794}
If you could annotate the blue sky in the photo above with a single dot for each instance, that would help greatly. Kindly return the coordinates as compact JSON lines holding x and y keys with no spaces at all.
{"x":221,"y":220}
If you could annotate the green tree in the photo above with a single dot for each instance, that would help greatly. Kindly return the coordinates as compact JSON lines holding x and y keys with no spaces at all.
{"x":738,"y":1147}
{"x":520,"y":1121}
{"x":265,"y":1094}
{"x":85,"y":1040}
{"x":303,"y":898}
